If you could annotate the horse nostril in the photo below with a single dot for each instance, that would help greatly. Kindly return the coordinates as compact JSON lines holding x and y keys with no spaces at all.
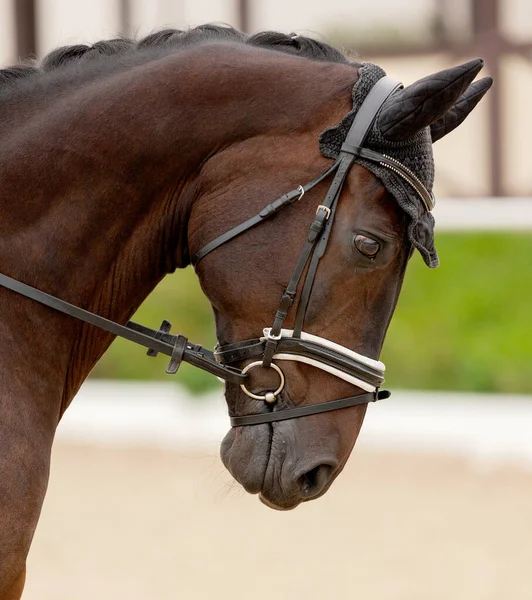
{"x":312,"y":482}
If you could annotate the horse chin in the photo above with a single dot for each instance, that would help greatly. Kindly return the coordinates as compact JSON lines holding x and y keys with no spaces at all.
{"x":276,"y":463}
{"x":245,"y":453}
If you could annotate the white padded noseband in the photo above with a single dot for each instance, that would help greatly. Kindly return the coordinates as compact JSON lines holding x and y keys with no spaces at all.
{"x":370,"y":362}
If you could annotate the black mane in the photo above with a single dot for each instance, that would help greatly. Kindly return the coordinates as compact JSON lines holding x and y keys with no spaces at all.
{"x":168,"y":39}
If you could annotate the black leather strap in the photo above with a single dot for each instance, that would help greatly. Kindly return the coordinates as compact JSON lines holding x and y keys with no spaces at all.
{"x":367,"y":113}
{"x":268,"y":211}
{"x":330,"y":202}
{"x":287,"y":298}
{"x":239,"y":351}
{"x":313,"y":409}
{"x":158,"y":341}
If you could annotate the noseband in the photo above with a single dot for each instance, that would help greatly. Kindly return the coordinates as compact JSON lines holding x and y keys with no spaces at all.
{"x":276,"y":344}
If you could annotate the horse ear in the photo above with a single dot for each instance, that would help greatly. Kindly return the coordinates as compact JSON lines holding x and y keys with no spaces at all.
{"x":459,"y":111}
{"x":422,"y":103}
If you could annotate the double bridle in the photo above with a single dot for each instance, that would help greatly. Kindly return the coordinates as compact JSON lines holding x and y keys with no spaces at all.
{"x":276,"y":344}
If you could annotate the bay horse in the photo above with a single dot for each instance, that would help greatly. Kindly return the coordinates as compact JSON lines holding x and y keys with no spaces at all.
{"x":123,"y":161}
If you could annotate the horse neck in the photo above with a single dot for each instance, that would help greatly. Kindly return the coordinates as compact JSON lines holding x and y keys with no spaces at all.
{"x":107,"y":174}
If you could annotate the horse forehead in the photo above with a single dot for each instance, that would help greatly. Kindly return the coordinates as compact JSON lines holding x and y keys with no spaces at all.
{"x":367,"y":197}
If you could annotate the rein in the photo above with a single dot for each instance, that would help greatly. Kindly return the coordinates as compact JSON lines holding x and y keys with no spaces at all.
{"x":176,"y":346}
{"x":277,"y":343}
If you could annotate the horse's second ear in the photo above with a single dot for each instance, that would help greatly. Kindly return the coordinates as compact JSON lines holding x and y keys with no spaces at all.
{"x":459,"y":111}
{"x":425,"y":101}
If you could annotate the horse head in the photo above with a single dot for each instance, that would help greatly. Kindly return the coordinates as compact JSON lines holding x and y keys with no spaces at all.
{"x":296,"y":182}
{"x":334,"y":286}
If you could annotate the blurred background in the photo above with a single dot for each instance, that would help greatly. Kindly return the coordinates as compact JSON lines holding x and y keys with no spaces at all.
{"x":433,"y":502}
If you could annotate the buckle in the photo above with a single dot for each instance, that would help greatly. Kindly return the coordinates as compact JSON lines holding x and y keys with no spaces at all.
{"x":267,"y":331}
{"x":326,"y":209}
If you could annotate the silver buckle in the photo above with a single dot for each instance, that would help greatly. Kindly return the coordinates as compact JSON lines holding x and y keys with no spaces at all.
{"x":267,"y":331}
{"x":326,"y":209}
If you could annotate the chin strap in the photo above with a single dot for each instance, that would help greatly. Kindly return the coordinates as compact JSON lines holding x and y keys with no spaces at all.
{"x":313,"y":409}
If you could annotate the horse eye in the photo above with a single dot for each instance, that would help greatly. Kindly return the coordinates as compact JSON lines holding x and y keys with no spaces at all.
{"x":367,"y":246}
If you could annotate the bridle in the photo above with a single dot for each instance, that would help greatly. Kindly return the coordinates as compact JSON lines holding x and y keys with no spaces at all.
{"x":276,"y":344}
{"x":282,"y":344}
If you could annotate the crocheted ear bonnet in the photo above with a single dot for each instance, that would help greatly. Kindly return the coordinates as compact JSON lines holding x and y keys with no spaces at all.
{"x":439,"y":103}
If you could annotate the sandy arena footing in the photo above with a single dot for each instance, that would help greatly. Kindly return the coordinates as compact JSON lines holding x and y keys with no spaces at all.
{"x":142,"y":523}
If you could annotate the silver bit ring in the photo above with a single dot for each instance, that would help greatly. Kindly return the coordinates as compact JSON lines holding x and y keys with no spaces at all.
{"x":269,"y":397}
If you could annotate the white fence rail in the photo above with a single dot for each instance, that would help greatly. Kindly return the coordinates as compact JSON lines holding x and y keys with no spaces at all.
{"x":483,"y":214}
{"x":487,"y":428}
